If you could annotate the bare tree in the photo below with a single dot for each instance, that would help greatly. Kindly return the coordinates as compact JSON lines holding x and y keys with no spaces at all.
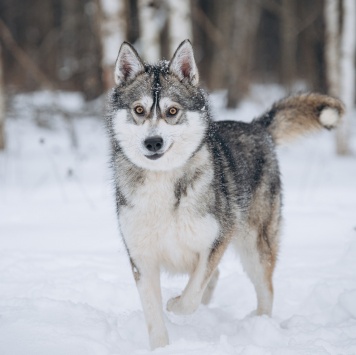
{"x":340,"y":58}
{"x":310,"y":44}
{"x":180,"y":23}
{"x":235,"y":42}
{"x":150,"y":25}
{"x":332,"y":48}
{"x":2,"y":106}
{"x":244,"y":19}
{"x":22,"y":57}
{"x":113,"y":30}
{"x":347,"y":74}
{"x":288,"y":42}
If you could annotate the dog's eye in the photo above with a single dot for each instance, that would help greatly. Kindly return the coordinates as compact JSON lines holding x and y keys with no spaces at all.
{"x":172,"y":111}
{"x":139,"y":110}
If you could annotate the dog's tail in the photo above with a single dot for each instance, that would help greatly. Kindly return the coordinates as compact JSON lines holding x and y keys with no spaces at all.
{"x":300,"y":114}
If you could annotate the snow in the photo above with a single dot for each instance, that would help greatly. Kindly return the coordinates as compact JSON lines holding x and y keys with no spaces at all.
{"x":65,"y":281}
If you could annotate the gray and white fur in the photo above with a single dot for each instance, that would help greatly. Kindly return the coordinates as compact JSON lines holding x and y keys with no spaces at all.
{"x":187,"y":187}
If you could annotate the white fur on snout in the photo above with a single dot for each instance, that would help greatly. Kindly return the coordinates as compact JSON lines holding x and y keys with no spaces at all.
{"x":179,"y":141}
{"x":119,"y":122}
{"x":186,"y":139}
{"x":130,"y":136}
{"x":329,"y":117}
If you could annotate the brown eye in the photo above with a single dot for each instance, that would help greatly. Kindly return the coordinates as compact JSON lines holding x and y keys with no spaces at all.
{"x":139,"y":110}
{"x":172,"y":111}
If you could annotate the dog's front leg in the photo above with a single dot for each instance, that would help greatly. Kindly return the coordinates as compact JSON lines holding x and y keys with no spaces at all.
{"x":192,"y":295}
{"x":147,"y":277}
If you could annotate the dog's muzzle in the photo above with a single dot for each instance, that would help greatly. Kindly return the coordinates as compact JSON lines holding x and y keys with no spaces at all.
{"x":153,"y":145}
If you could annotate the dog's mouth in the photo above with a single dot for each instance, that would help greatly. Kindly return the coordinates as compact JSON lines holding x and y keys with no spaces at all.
{"x":154,"y":156}
{"x":158,"y":155}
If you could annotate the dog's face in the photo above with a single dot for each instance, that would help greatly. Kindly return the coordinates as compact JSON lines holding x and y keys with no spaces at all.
{"x":160,"y":116}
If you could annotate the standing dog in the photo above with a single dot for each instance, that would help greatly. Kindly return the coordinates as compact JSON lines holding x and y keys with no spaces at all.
{"x":187,"y":187}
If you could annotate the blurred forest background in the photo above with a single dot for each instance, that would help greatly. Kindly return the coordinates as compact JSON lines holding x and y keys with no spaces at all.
{"x":72,"y":45}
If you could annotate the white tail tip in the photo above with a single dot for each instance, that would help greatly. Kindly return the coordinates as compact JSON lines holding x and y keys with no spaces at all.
{"x":329,"y":117}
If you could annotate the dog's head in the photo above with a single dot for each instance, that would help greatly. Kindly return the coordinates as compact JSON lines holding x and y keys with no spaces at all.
{"x":160,"y":115}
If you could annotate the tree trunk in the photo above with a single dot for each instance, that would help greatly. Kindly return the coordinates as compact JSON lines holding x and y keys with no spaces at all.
{"x":150,"y":28}
{"x":209,"y":43}
{"x":332,"y":49}
{"x":311,"y":38}
{"x":2,"y":105}
{"x":132,"y":21}
{"x":289,"y":43}
{"x":180,"y":24}
{"x":113,"y":33}
{"x":242,"y":41}
{"x":347,"y":74}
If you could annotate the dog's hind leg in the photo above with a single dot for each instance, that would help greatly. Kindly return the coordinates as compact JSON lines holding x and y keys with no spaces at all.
{"x":209,"y":291}
{"x":260,"y":273}
{"x":258,"y":252}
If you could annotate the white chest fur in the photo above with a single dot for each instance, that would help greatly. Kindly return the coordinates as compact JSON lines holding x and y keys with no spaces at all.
{"x":155,"y":227}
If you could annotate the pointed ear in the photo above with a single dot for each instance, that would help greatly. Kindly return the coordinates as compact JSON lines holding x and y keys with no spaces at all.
{"x":128,"y":64}
{"x":183,"y":63}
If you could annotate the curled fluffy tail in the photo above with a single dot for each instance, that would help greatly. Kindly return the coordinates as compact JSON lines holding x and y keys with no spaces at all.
{"x":301,"y":114}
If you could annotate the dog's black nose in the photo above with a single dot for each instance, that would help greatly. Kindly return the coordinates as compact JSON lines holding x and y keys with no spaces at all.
{"x":153,"y":144}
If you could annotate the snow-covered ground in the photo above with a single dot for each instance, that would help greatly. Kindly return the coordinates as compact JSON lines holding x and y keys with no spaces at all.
{"x":65,"y":282}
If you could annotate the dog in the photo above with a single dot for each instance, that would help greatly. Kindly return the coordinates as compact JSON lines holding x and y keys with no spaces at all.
{"x":187,"y":187}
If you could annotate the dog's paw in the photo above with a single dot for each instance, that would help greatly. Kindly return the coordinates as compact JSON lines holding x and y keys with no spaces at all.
{"x":158,"y":338}
{"x":179,"y":307}
{"x":175,"y":305}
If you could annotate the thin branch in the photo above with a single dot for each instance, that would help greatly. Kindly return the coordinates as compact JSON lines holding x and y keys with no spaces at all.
{"x":22,"y":57}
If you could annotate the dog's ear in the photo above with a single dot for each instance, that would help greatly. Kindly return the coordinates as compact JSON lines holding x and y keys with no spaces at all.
{"x":128,"y":64}
{"x":183,"y":63}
